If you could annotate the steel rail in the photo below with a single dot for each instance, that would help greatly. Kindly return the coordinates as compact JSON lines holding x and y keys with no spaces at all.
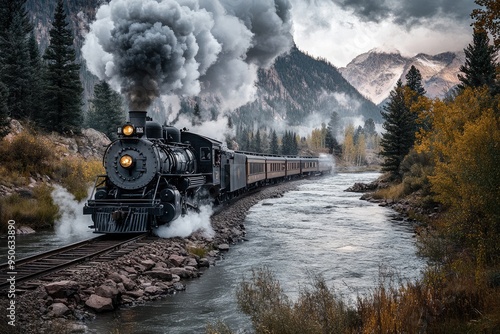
{"x":59,"y":258}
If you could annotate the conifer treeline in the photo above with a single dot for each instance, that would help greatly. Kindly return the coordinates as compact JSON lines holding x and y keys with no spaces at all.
{"x":46,"y":89}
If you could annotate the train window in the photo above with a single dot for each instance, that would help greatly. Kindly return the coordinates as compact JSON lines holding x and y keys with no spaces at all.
{"x":256,"y":167}
{"x":205,"y":153}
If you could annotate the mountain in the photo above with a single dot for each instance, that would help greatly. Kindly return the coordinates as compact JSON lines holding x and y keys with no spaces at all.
{"x":298,"y":86}
{"x":375,"y":73}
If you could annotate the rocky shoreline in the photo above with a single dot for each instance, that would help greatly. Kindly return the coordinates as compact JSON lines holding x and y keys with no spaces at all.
{"x":148,"y":273}
{"x":406,"y":207}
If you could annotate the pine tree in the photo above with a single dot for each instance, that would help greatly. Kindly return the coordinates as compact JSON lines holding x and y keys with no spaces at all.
{"x":289,"y":144}
{"x":331,"y":141}
{"x":334,"y":124}
{"x":274,"y":146}
{"x":4,"y":110}
{"x":106,"y":113}
{"x":16,"y":63}
{"x":399,"y":136}
{"x":370,"y":133}
{"x":294,"y":144}
{"x":480,"y":63}
{"x":245,"y":140}
{"x":8,"y":10}
{"x":63,"y":88}
{"x":265,"y":145}
{"x":414,"y":81}
{"x":35,"y":81}
{"x":258,"y":142}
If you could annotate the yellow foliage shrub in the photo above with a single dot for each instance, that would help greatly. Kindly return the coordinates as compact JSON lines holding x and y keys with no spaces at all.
{"x":465,"y":144}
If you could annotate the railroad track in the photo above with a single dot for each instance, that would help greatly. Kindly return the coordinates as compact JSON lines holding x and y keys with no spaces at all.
{"x":43,"y":264}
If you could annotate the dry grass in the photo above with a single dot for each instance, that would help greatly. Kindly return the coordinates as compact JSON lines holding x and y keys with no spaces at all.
{"x":317,"y":310}
{"x":455,"y":299}
{"x":198,"y":251}
{"x":28,"y":157}
{"x":37,"y":210}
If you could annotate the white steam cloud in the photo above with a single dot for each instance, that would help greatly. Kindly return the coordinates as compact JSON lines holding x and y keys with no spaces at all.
{"x":190,"y":223}
{"x":72,"y":224}
{"x":149,"y":48}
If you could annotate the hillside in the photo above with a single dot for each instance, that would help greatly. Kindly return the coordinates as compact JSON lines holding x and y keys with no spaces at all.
{"x":375,"y":73}
{"x":298,"y":87}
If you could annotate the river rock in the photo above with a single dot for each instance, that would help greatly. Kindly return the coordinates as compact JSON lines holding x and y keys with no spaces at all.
{"x":176,"y":260}
{"x":58,"y":309}
{"x":181,"y":272}
{"x":161,"y":274}
{"x":223,"y":247}
{"x":152,"y":290}
{"x":117,"y":278}
{"x":127,"y":282}
{"x":179,"y":286}
{"x":148,"y":264}
{"x":25,"y":230}
{"x":135,"y":294}
{"x":192,"y":262}
{"x":107,"y":291}
{"x":99,"y":304}
{"x":203,"y":262}
{"x":62,"y":289}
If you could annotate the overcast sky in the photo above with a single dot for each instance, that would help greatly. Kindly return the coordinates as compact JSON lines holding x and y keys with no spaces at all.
{"x":339,"y":30}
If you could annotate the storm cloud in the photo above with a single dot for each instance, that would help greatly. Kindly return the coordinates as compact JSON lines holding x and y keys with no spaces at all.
{"x":408,"y":12}
{"x":150,"y":48}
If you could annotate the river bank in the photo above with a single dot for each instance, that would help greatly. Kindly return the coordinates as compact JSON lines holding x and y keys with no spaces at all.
{"x":148,"y":273}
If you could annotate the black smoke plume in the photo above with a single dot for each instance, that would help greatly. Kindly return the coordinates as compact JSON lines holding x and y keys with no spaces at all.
{"x":149,"y":48}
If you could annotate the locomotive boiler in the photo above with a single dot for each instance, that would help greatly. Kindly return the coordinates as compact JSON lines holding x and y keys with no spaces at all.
{"x":156,"y":173}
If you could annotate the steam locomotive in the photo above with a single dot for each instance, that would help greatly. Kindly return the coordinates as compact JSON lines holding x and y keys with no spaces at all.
{"x":156,"y":173}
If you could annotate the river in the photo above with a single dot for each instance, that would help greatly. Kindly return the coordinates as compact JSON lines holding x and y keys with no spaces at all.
{"x":317,"y":229}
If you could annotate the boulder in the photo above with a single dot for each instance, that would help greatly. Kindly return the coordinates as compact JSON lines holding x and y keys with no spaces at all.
{"x":192,"y":262}
{"x":135,"y":294}
{"x":152,"y":290}
{"x":99,"y":304}
{"x":148,"y":264}
{"x":62,"y":289}
{"x":107,"y":291}
{"x":181,"y":272}
{"x":58,"y":309}
{"x":203,"y":262}
{"x":115,"y":277}
{"x":176,"y":260}
{"x":160,"y":274}
{"x":127,"y":282}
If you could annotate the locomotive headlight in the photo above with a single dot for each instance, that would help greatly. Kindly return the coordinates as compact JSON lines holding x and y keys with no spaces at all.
{"x":126,"y":161}
{"x":128,"y":130}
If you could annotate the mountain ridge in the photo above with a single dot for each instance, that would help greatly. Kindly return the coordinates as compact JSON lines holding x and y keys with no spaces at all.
{"x":374,"y":74}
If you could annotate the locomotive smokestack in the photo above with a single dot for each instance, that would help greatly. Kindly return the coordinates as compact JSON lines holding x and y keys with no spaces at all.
{"x":138,"y":118}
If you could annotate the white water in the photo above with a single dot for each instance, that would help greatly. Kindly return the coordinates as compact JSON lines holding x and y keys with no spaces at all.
{"x":318,"y":229}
